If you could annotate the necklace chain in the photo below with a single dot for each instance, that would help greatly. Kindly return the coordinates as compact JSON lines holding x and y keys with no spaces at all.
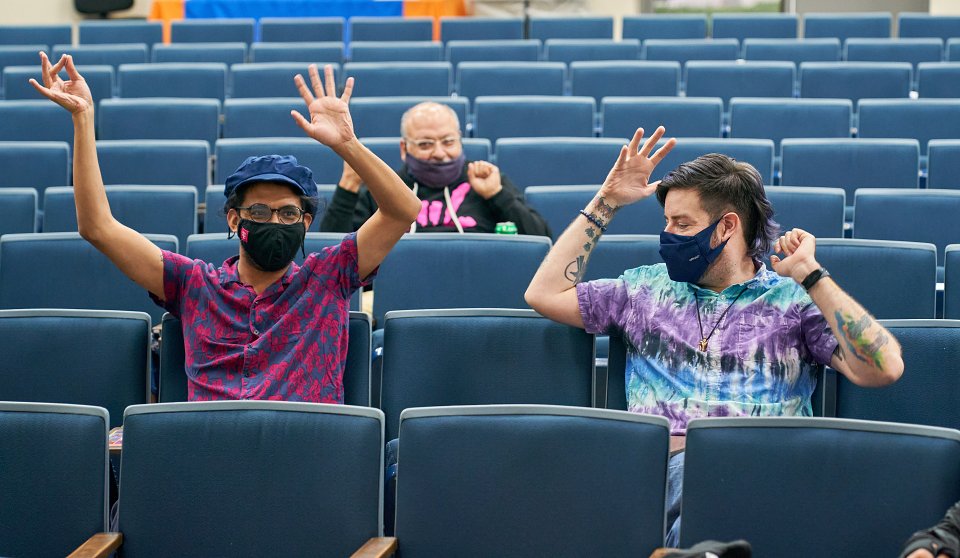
{"x":704,"y":340}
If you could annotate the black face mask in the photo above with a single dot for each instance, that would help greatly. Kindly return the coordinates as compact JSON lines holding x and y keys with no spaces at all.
{"x":271,"y":246}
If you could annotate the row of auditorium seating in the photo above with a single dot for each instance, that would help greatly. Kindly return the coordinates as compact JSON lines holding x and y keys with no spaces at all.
{"x":527,"y":479}
{"x":598,"y":79}
{"x":642,"y":27}
{"x":894,"y":279}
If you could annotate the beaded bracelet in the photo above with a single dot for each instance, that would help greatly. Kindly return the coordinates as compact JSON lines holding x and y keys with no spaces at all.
{"x":593,"y":220}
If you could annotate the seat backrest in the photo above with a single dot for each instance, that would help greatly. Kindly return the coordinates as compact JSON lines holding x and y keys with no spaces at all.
{"x":166,"y":210}
{"x":480,"y":28}
{"x":103,"y":55}
{"x":908,"y":214}
{"x":205,"y":80}
{"x":922,"y":24}
{"x":726,"y":79}
{"x":389,"y":79}
{"x":54,"y":477}
{"x":557,"y":161}
{"x":93,"y":32}
{"x":155,"y":162}
{"x":951,"y":287}
{"x":819,"y":211}
{"x":665,"y":26}
{"x":28,"y":164}
{"x":605,"y":470}
{"x":505,"y":50}
{"x":176,"y":119}
{"x":301,"y":29}
{"x":930,"y":349}
{"x":446,"y":357}
{"x":579,"y":27}
{"x":682,"y":50}
{"x":62,"y":270}
{"x":210,"y":30}
{"x":36,"y":34}
{"x":855,"y":80}
{"x":560,"y":205}
{"x":533,"y":116}
{"x":311,"y":483}
{"x":625,"y":78}
{"x":451,"y":270}
{"x":364,"y":28}
{"x":510,"y":78}
{"x":777,"y":119}
{"x":827,"y":475}
{"x":844,"y":26}
{"x":380,"y":116}
{"x":231,"y":152}
{"x":84,"y":357}
{"x":754,"y":26}
{"x":20,"y":55}
{"x":34,"y":121}
{"x":692,"y":117}
{"x":100,"y":80}
{"x":938,"y":79}
{"x":851,"y":163}
{"x":921,"y":119}
{"x":18,"y":210}
{"x":616,"y":253}
{"x":943,"y":164}
{"x":262,"y":118}
{"x":396,"y":51}
{"x":224,"y":53}
{"x":572,"y":50}
{"x":953,"y":49}
{"x":891,"y":279}
{"x":793,"y":50}
{"x":757,"y":152}
{"x":319,"y":53}
{"x":913,"y":51}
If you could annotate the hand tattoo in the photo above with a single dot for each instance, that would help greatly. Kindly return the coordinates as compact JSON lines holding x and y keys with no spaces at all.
{"x":865,"y":350}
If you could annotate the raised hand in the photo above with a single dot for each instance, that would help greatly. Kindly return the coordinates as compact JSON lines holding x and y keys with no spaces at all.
{"x":484,"y":178}
{"x":629,"y":179}
{"x":798,"y":248}
{"x":330,"y":121}
{"x":73,"y":95}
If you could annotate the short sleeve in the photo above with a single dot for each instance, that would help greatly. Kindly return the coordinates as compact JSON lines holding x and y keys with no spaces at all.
{"x":176,"y":269}
{"x":338,"y":266}
{"x":818,"y":338}
{"x":604,"y":305}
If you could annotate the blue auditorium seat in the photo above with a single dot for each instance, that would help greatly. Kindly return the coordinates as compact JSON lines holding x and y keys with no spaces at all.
{"x":819,"y":211}
{"x":921,"y":119}
{"x":230,"y":154}
{"x":227,"y":30}
{"x":395,"y":28}
{"x":682,"y":50}
{"x":573,"y":50}
{"x":557,"y":161}
{"x":827,"y":476}
{"x":272,"y":79}
{"x":525,"y":463}
{"x":215,"y":220}
{"x":30,"y":164}
{"x":846,"y":25}
{"x":938,"y":79}
{"x":579,"y":27}
{"x":224,"y":53}
{"x":396,"y":51}
{"x":35,"y":121}
{"x":943,"y":164}
{"x":726,"y":79}
{"x":757,"y":152}
{"x":155,"y":162}
{"x":318,"y":53}
{"x":742,"y":26}
{"x":913,"y":51}
{"x":930,"y":350}
{"x":922,"y":24}
{"x":892,"y":279}
{"x":160,"y":119}
{"x":54,"y":477}
{"x":537,"y":361}
{"x":493,"y":272}
{"x":533,"y":116}
{"x":388,"y":149}
{"x":793,"y":50}
{"x":777,"y":119}
{"x":380,"y":116}
{"x":18,"y":210}
{"x":625,"y":78}
{"x":953,"y":49}
{"x":951,"y":290}
{"x":102,"y":55}
{"x":480,"y":28}
{"x":855,"y":80}
{"x":189,"y":79}
{"x":311,"y":484}
{"x":560,"y":205}
{"x":32,"y":275}
{"x":100,"y":80}
{"x":98,"y":32}
{"x":665,"y":26}
{"x":36,"y":34}
{"x":262,"y":117}
{"x":166,"y":210}
{"x":389,"y":79}
{"x":510,"y":78}
{"x":616,"y":253}
{"x":301,"y":29}
{"x":680,"y":116}
{"x":20,"y":55}
{"x":504,"y":50}
{"x":908,"y":214}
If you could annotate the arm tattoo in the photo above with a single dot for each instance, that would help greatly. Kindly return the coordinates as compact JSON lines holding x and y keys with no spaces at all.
{"x":575,"y":269}
{"x":605,"y":210}
{"x":864,"y":349}
{"x":838,"y":352}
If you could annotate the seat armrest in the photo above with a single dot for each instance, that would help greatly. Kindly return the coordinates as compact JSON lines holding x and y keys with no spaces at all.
{"x":98,"y":546}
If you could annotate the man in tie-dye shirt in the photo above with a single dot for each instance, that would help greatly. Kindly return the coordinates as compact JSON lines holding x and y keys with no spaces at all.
{"x":712,"y":331}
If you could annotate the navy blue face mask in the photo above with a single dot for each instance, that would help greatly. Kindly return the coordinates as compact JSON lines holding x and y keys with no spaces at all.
{"x":687,"y":257}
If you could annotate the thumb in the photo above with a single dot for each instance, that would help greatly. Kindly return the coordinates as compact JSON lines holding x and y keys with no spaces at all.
{"x":471,"y":170}
{"x":301,"y":121}
{"x":774,"y":261}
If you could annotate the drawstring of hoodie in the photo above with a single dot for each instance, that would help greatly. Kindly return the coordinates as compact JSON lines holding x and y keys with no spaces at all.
{"x":450,"y":211}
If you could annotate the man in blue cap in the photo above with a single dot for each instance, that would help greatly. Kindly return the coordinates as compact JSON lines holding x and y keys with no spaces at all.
{"x":259,"y":326}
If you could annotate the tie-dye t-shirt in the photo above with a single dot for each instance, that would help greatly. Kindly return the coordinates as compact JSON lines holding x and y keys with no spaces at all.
{"x":761,"y":360}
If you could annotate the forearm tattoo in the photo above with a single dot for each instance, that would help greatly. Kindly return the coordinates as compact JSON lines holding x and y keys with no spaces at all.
{"x":605,"y":210}
{"x":853,"y":332}
{"x":598,"y":219}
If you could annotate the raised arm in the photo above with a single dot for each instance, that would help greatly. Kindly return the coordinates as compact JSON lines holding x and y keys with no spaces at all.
{"x":552,"y":291}
{"x":867,"y":353}
{"x":138,"y":258}
{"x":331,"y":125}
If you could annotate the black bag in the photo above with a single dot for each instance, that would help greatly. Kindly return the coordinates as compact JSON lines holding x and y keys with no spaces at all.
{"x":101,"y":6}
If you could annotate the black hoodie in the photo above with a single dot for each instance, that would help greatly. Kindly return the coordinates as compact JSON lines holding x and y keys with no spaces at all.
{"x":348,"y":210}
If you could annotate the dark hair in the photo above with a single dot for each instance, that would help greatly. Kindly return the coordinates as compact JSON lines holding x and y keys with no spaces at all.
{"x":309,"y":204}
{"x":725,"y":185}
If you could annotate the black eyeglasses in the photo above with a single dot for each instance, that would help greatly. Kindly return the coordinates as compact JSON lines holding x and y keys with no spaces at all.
{"x":261,"y":213}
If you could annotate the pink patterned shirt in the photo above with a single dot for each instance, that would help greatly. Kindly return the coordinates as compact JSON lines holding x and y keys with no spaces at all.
{"x":288,"y":343}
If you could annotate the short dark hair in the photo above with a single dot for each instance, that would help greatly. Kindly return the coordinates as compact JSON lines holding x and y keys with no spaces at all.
{"x":725,"y":185}
{"x":309,"y":204}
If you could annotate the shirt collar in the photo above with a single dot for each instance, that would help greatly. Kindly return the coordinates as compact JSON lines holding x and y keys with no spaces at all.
{"x":229,"y":274}
{"x":762,"y":279}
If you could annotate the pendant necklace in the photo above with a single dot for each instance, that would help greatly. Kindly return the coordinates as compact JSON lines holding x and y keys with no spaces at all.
{"x":704,"y":339}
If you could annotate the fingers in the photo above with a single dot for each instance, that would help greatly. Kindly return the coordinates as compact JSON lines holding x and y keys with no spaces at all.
{"x":347,"y":90}
{"x":72,"y":72}
{"x":635,"y":142}
{"x":328,"y":81}
{"x":652,"y":141}
{"x":302,"y":88}
{"x":664,"y":149}
{"x":622,"y":157}
{"x":301,"y":121}
{"x":58,"y":66}
{"x":315,"y":80}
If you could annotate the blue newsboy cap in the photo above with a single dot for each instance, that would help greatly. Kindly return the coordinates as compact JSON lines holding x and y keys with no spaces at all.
{"x":272,"y":168}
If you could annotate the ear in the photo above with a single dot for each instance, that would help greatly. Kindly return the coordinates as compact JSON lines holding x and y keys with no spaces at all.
{"x":233,"y":220}
{"x":307,"y":220}
{"x":403,"y":149}
{"x":729,"y":224}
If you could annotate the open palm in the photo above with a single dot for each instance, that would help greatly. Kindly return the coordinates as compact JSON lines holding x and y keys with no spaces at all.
{"x":330,"y":121}
{"x":73,"y":95}
{"x":629,"y":179}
